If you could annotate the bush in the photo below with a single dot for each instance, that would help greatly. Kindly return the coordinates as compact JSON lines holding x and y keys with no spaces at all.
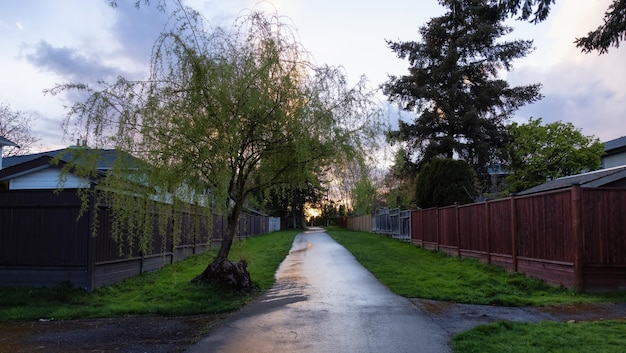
{"x":442,"y":182}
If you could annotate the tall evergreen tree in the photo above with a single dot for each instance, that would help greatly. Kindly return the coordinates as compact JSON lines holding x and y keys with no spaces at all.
{"x":454,"y":87}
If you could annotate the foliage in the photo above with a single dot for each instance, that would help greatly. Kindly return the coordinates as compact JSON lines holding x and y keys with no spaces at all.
{"x":168,"y":291}
{"x":454,"y":88}
{"x":364,"y":196}
{"x":288,"y":202}
{"x":331,"y":211}
{"x":15,"y":126}
{"x":610,"y":33}
{"x":400,"y":182}
{"x":443,"y":182}
{"x":414,"y":272}
{"x":547,"y":336}
{"x":224,"y":115}
{"x":538,"y":153}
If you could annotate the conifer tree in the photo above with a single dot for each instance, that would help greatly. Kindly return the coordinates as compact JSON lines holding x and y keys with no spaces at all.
{"x":454,"y":88}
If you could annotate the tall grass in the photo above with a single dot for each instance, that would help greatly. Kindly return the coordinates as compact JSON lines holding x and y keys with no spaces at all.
{"x":168,"y":291}
{"x":414,"y":272}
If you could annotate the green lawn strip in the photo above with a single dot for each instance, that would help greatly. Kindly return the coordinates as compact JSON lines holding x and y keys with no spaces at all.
{"x":548,"y":336}
{"x":414,"y":272}
{"x":168,"y":291}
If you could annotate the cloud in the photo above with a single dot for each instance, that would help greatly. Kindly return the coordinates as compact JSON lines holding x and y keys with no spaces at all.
{"x":19,"y":25}
{"x":137,"y":29}
{"x":574,"y":92}
{"x":70,"y":64}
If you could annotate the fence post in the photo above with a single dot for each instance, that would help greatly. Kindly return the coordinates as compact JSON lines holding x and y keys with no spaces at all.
{"x":438,"y":225}
{"x":458,"y":229}
{"x":422,"y":226}
{"x":577,"y":234}
{"x":487,"y":230}
{"x":513,"y":234}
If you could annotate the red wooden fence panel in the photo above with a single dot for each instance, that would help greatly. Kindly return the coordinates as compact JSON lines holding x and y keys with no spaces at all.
{"x":448,"y":233}
{"x":430,"y":228}
{"x":604,"y":233}
{"x":605,"y":226}
{"x":500,"y":227}
{"x":416,"y":226}
{"x":472,"y":225}
{"x":544,"y":226}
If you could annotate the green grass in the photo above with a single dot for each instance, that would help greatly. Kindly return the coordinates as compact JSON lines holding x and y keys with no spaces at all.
{"x":414,"y":272}
{"x":168,"y":291}
{"x":581,"y":337}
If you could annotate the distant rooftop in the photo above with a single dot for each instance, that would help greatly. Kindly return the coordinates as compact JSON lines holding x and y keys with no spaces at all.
{"x":590,"y":179}
{"x":106,"y":157}
{"x":6,"y":142}
{"x":615,"y":144}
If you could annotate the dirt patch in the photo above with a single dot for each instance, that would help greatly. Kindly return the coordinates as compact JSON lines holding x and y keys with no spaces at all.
{"x":121,"y":335}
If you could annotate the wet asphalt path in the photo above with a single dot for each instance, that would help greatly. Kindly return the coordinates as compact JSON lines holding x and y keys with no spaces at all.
{"x":325,"y":301}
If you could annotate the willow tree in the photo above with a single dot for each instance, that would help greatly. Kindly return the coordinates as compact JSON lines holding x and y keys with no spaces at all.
{"x":224,"y":115}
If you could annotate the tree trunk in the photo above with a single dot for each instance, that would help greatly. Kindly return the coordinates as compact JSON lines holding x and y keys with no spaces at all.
{"x":223,"y":272}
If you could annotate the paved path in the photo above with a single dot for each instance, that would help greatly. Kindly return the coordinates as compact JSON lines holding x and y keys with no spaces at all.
{"x":325,"y":301}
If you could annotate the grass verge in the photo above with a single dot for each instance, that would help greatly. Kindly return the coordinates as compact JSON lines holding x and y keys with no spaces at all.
{"x":581,"y":337}
{"x":168,"y":291}
{"x":414,"y":272}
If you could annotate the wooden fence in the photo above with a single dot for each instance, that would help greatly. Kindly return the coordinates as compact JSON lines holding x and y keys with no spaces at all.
{"x":574,"y":237}
{"x":362,"y":223}
{"x":43,"y":242}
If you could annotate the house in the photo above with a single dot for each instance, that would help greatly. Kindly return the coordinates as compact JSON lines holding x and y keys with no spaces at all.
{"x":45,"y":241}
{"x":610,"y":177}
{"x":614,"y":153}
{"x":37,"y":171}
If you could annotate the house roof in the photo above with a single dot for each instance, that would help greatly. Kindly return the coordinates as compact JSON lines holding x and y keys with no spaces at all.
{"x":19,"y":165}
{"x":618,"y":143}
{"x":591,"y":179}
{"x":6,"y":142}
{"x":106,"y":157}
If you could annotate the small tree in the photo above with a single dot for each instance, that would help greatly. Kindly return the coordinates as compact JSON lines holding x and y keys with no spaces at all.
{"x":539,"y":153}
{"x":223,"y":116}
{"x":364,"y":196}
{"x":15,"y":126}
{"x":443,"y":182}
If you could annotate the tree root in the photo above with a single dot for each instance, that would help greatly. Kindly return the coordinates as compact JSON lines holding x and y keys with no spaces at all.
{"x":226,"y":274}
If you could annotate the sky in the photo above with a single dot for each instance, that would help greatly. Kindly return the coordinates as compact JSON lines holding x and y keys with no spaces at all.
{"x":45,"y":43}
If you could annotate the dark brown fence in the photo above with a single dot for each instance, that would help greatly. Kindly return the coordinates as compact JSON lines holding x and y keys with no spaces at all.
{"x":44,"y":242}
{"x":574,"y":237}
